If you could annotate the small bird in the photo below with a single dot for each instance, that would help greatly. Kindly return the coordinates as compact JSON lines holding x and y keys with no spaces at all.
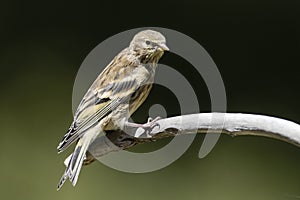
{"x":116,"y":93}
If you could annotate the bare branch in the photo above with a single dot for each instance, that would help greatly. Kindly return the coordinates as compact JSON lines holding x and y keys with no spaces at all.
{"x":234,"y":124}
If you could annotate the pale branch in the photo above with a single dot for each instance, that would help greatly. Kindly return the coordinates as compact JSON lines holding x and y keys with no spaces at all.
{"x":234,"y":124}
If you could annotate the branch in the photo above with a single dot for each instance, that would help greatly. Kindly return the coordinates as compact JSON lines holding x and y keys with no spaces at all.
{"x":233,"y":124}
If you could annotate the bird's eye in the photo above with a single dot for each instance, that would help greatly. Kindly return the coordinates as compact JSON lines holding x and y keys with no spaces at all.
{"x":147,"y":42}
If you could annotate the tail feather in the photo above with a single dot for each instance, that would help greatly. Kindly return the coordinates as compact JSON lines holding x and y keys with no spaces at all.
{"x":62,"y":180}
{"x":78,"y":160}
{"x":74,"y":162}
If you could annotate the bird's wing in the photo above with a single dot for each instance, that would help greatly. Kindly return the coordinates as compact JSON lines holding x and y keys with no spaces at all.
{"x":119,"y":81}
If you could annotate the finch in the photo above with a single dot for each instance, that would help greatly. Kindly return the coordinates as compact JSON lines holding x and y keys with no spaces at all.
{"x":116,"y":93}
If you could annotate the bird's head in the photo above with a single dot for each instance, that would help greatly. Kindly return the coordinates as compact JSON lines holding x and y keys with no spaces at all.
{"x":149,"y":41}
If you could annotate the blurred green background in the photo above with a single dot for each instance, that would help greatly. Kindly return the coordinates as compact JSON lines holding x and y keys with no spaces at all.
{"x":255,"y":44}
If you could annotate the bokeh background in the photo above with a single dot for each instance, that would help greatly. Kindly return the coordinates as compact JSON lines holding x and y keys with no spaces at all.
{"x":255,"y":44}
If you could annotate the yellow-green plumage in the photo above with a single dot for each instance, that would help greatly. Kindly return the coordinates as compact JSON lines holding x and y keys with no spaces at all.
{"x":117,"y":92}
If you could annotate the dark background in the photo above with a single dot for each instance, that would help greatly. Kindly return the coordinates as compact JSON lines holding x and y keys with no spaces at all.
{"x":255,"y":45}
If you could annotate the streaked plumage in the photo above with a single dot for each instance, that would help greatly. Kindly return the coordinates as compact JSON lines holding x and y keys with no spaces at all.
{"x":117,"y":92}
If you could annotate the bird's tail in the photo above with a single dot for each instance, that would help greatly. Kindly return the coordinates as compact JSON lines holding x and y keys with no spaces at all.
{"x":74,"y":163}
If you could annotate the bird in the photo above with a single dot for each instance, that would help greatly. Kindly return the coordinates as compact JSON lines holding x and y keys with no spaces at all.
{"x":114,"y":96}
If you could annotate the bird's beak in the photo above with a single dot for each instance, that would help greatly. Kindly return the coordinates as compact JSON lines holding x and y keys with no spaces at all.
{"x":164,"y":47}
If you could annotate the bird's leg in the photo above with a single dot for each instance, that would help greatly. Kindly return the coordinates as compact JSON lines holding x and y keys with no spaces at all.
{"x":150,"y":123}
{"x":147,"y":127}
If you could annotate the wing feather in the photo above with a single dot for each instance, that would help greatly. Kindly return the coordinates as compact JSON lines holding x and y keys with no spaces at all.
{"x":113,"y":86}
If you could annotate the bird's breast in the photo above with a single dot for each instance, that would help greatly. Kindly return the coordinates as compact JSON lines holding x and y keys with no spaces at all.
{"x":138,"y":97}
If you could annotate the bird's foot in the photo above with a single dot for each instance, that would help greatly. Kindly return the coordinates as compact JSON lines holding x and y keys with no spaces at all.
{"x":151,"y":123}
{"x":147,"y":127}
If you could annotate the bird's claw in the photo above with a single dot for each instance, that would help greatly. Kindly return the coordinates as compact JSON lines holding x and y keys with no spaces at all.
{"x":151,"y":123}
{"x":147,"y":127}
